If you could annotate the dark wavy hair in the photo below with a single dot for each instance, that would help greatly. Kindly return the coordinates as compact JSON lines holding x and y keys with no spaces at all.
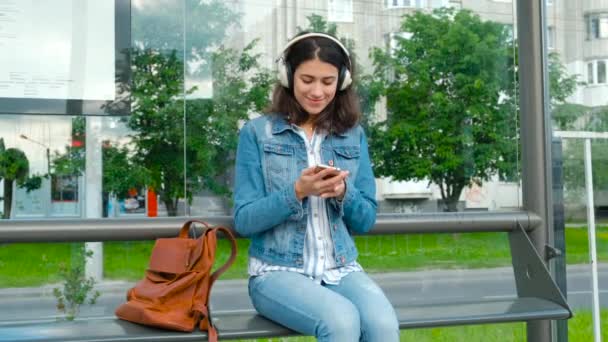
{"x":342,"y":113}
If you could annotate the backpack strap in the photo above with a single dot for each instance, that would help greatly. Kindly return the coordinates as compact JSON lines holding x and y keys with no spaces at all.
{"x":232,"y":258}
{"x":183,"y":233}
{"x":212,"y":334}
{"x":200,"y":308}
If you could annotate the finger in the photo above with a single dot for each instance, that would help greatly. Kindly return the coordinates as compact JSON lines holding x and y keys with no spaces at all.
{"x":309,"y":171}
{"x":333,"y":181}
{"x":332,"y":172}
{"x":332,"y":188}
{"x":328,"y":195}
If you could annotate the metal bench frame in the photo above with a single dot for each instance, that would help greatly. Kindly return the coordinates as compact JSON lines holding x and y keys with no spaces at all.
{"x":538,"y":297}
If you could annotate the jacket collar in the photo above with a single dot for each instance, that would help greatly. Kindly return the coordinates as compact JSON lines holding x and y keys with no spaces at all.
{"x":280,"y":125}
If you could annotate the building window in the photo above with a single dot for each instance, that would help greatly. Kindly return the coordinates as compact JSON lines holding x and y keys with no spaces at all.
{"x":340,"y":11}
{"x":590,"y":78}
{"x":550,"y":37}
{"x":596,"y":72}
{"x":601,"y":72}
{"x":409,"y":3}
{"x":597,"y":25}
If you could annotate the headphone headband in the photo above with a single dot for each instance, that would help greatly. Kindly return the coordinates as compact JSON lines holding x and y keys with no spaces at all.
{"x":286,"y":74}
{"x":313,"y":34}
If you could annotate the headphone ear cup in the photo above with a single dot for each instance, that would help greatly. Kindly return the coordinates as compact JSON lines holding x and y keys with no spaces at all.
{"x":282,"y":73}
{"x":347,"y":80}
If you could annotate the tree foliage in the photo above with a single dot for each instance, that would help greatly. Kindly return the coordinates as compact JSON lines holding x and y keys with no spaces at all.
{"x":446,"y":123}
{"x":451,"y":91}
{"x":120,"y":172}
{"x":191,"y":28}
{"x":205,"y":134}
{"x":14,"y":167}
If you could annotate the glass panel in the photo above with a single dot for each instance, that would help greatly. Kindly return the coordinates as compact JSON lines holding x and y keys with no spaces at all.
{"x":579,"y":113}
{"x":57,"y":68}
{"x":417,"y":175}
{"x":156,"y":125}
{"x":200,"y":69}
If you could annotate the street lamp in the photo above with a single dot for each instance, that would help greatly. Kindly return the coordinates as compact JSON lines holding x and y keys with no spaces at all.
{"x":48,"y":151}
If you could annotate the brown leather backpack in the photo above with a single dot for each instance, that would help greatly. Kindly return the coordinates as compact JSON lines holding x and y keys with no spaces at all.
{"x":175,"y":292}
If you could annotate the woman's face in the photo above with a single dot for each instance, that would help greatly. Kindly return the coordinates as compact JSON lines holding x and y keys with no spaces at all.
{"x":315,"y":85}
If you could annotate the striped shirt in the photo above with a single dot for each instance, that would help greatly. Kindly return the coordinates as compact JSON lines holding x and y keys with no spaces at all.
{"x":319,"y":263}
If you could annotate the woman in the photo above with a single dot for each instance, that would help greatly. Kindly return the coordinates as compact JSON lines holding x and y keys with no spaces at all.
{"x":302,"y":258}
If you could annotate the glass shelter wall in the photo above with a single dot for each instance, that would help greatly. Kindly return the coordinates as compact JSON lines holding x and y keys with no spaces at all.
{"x":438,"y":92}
{"x":577,"y":103}
{"x":199,"y":69}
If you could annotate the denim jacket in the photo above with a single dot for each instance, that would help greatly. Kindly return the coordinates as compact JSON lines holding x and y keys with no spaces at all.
{"x":270,"y":158}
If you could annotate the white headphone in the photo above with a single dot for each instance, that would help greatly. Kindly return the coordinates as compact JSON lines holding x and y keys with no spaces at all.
{"x":285,"y":73}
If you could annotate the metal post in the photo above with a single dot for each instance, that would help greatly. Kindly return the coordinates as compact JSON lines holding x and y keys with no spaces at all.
{"x":535,"y":136}
{"x":559,"y":227}
{"x":93,"y":201}
{"x":592,"y":252}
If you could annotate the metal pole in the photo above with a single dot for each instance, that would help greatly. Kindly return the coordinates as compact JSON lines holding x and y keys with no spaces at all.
{"x":93,"y":201}
{"x":535,"y":137}
{"x":592,"y":252}
{"x":559,"y":235}
{"x":48,"y":161}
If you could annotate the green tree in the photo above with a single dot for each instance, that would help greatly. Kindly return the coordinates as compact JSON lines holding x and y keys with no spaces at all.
{"x":445,"y":120}
{"x":452,"y":115}
{"x":14,"y":167}
{"x":211,"y":125}
{"x":71,"y":162}
{"x":120,"y":172}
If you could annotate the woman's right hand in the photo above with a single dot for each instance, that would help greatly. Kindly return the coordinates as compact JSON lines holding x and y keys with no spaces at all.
{"x":311,"y":183}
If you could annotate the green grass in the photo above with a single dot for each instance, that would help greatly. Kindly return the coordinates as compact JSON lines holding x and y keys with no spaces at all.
{"x":580,"y":329}
{"x":34,"y":264}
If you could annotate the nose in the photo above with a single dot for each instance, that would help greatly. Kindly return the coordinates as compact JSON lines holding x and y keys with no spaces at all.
{"x":317,"y":90}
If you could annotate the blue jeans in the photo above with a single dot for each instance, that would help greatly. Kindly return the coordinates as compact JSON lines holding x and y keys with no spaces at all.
{"x":354,"y":310}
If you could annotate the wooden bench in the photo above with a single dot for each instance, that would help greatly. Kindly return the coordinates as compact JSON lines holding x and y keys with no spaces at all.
{"x":538,"y":297}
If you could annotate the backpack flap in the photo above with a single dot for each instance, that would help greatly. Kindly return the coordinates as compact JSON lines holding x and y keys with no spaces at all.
{"x":171,"y":255}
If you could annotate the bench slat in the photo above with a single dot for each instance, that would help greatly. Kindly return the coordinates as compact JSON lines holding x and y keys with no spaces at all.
{"x":247,"y":324}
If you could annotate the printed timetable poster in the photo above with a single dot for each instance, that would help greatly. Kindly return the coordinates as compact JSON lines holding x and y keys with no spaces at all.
{"x":63,"y":56}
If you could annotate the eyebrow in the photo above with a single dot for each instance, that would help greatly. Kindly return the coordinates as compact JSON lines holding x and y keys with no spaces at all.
{"x":324,"y":78}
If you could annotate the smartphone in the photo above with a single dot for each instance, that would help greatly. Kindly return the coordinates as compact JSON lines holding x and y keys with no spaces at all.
{"x":321,"y":167}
